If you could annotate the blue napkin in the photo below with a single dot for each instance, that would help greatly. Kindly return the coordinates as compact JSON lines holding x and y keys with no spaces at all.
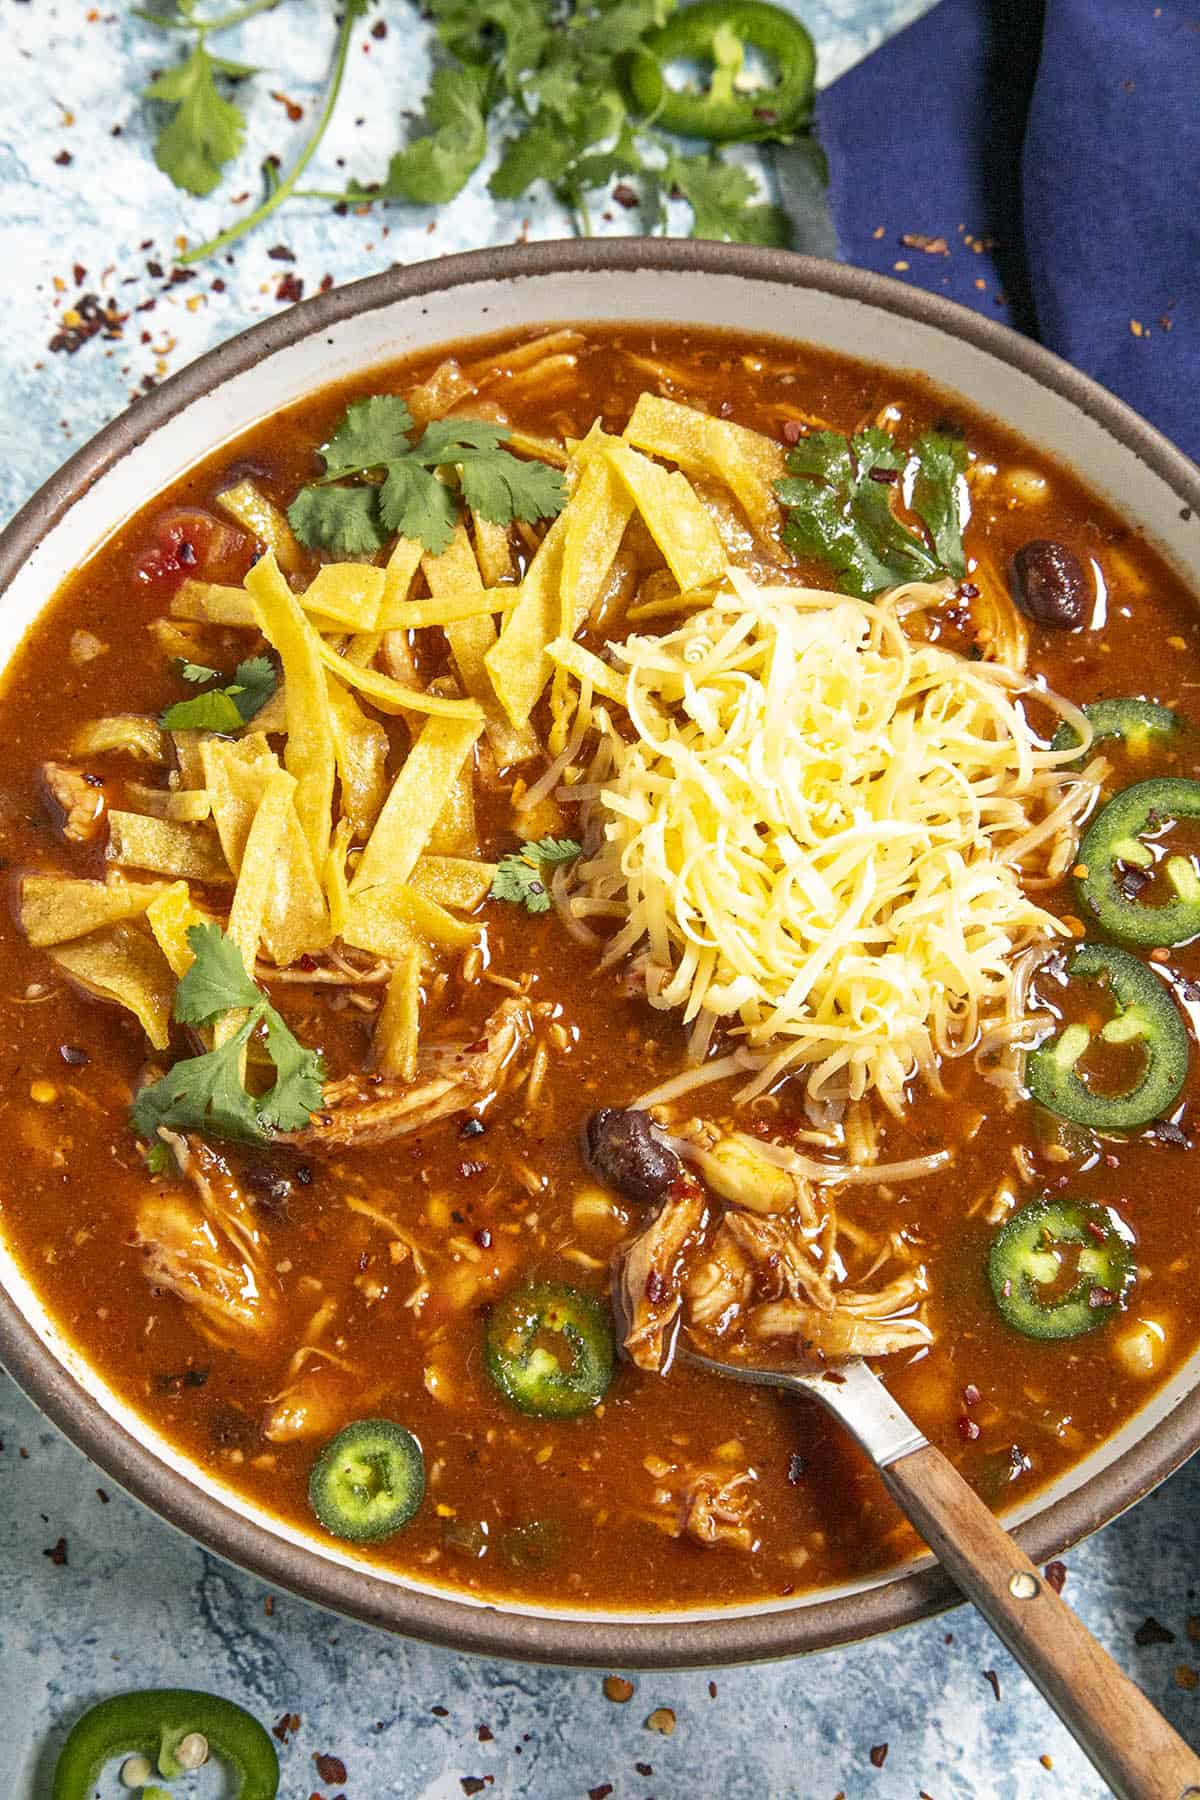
{"x":1039,"y":160}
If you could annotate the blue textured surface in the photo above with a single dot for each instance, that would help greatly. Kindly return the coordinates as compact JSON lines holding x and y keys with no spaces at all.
{"x":133,"y":1604}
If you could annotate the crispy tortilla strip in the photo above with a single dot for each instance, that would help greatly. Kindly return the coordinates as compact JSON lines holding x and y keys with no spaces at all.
{"x":454,"y":575}
{"x":170,"y":916}
{"x":337,"y":893}
{"x":585,"y":666}
{"x":56,"y":908}
{"x":213,"y":603}
{"x":188,"y":806}
{"x":350,"y":592}
{"x":389,"y":696}
{"x":388,"y":921}
{"x":123,"y":963}
{"x":517,"y":662}
{"x":433,"y":399}
{"x":402,"y":565}
{"x":187,"y":755}
{"x":746,"y":461}
{"x":237,"y":772}
{"x":361,"y":746}
{"x":493,"y":550}
{"x":256,"y":880}
{"x":251,"y":508}
{"x":600,"y":509}
{"x":189,"y":852}
{"x":448,"y":609}
{"x":271,"y":718}
{"x":309,"y":754}
{"x":674,"y":517}
{"x":452,"y":880}
{"x":419,"y":793}
{"x":362,"y":648}
{"x":135,"y":734}
{"x":455,"y":833}
{"x":397,"y":1030}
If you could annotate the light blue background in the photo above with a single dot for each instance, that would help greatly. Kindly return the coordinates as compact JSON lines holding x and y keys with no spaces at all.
{"x":137,"y":1605}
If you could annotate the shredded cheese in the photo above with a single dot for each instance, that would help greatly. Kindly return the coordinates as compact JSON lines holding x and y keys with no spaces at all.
{"x":810,"y":820}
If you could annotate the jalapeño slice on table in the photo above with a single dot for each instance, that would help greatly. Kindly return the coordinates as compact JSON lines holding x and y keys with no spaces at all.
{"x":368,"y":1481}
{"x":1116,"y":866}
{"x":1139,"y":724}
{"x":1059,"y":1268}
{"x":1144,"y":1015}
{"x":549,"y":1350}
{"x":175,"y":1730}
{"x":719,"y":32}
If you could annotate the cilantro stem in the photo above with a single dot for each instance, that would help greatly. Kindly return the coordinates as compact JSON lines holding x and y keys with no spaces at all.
{"x":280,"y":193}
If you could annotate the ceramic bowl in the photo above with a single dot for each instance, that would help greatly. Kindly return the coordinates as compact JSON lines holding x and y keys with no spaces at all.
{"x":341,"y":333}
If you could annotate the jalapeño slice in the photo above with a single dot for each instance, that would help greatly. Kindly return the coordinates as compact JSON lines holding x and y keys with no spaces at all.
{"x":156,"y":1723}
{"x":1116,"y":865}
{"x":719,"y":32}
{"x":549,"y":1350}
{"x":1030,"y":1262}
{"x":1145,"y":1015}
{"x":368,"y":1481}
{"x":1139,"y":724}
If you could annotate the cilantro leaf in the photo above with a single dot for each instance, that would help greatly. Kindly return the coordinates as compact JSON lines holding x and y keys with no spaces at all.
{"x":190,"y":671}
{"x":224,"y":709}
{"x":433,"y":169}
{"x":375,"y":437}
{"x":159,"y":1159}
{"x":206,"y":1092}
{"x":725,"y":202}
{"x":335,"y":518}
{"x":216,"y":981}
{"x":940,"y":496}
{"x":518,"y":876}
{"x":372,"y":432}
{"x":205,"y":131}
{"x":839,"y":507}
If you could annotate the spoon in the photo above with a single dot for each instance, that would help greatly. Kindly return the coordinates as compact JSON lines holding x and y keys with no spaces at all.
{"x":1127,"y":1739}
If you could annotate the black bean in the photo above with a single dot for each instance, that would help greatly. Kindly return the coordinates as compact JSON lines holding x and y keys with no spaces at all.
{"x":1048,"y":584}
{"x":622,"y":1150}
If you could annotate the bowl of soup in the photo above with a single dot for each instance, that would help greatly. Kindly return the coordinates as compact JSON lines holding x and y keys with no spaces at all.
{"x":661,"y":764}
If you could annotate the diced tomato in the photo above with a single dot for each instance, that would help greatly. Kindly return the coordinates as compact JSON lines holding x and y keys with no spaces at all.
{"x":189,"y":541}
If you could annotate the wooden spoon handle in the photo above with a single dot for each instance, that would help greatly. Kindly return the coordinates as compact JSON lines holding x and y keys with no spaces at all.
{"x":1128,"y":1740}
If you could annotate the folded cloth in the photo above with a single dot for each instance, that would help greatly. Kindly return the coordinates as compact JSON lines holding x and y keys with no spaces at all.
{"x":1039,"y":160}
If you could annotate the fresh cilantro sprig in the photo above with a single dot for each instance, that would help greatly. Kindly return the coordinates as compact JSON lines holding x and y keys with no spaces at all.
{"x":206,"y":1092}
{"x":203,"y":130}
{"x":224,"y":709}
{"x":405,"y":493}
{"x":518,"y":876}
{"x":839,"y":507}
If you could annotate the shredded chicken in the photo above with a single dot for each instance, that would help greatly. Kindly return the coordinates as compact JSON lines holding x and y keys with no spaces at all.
{"x":209,"y":1251}
{"x":78,"y":798}
{"x":362,"y":1110}
{"x":318,"y":1403}
{"x":713,"y":1503}
{"x":651,"y":1274}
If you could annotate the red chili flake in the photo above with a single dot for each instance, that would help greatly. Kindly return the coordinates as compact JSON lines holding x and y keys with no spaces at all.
{"x":485,"y":1734}
{"x":1056,"y":1575}
{"x":326,"y":281}
{"x":290,"y":288}
{"x":1151,"y":1632}
{"x":1100,"y":1296}
{"x":379,"y":29}
{"x":287,"y":1724}
{"x":793,"y":431}
{"x":101,"y":1496}
{"x":440,"y":1712}
{"x":474,"y":1784}
{"x":712,"y":1690}
{"x":888,"y":477}
{"x":971,"y":1395}
{"x":624,"y":195}
{"x":602,"y":1792}
{"x":644,"y":1768}
{"x":64,"y":159}
{"x":217,"y":285}
{"x":80,"y":274}
{"x":878,"y":1754}
{"x":58,"y":1553}
{"x":991,"y":1677}
{"x":1097,"y":1231}
{"x":331,"y":1769}
{"x":968,"y":1429}
{"x":281,"y":253}
{"x":656,"y":1287}
{"x":294,"y":112}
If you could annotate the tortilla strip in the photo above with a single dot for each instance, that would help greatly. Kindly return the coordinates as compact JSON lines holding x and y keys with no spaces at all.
{"x":419,"y":793}
{"x":586,"y":666}
{"x":517,"y":662}
{"x":55,"y":908}
{"x":123,"y":963}
{"x":309,"y":754}
{"x":170,"y":916}
{"x":457,"y":881}
{"x":389,"y":921}
{"x":455,"y":575}
{"x":389,"y":696}
{"x":350,"y":592}
{"x":191,"y":852}
{"x":747,"y":462}
{"x":250,"y":507}
{"x":134,"y":733}
{"x":361,"y":746}
{"x":397,"y":1028}
{"x":674,"y":516}
{"x":455,"y":833}
{"x":260,"y":860}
